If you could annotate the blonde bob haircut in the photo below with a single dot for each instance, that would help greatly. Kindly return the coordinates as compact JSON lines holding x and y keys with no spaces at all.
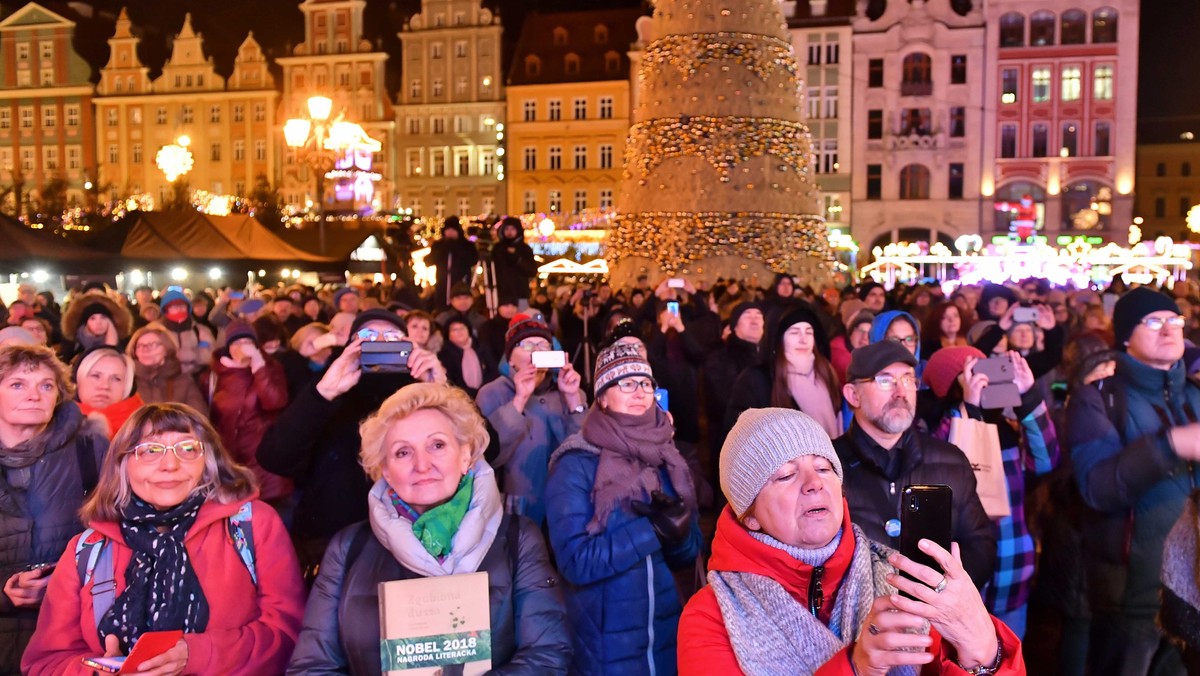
{"x":223,"y":480}
{"x":20,"y":357}
{"x":469,"y":428}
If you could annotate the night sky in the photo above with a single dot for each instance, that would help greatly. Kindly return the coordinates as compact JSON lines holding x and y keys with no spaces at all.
{"x":1168,"y":99}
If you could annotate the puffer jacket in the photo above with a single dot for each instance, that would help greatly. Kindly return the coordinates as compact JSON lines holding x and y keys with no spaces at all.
{"x":621,"y":595}
{"x":875,"y":479}
{"x":251,"y":628}
{"x":245,"y":404}
{"x":526,"y":440}
{"x":36,"y":523}
{"x":168,"y":383}
{"x":341,"y":623}
{"x":1134,"y":485}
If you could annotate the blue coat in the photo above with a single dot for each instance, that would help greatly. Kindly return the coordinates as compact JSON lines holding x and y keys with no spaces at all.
{"x":621,"y":596}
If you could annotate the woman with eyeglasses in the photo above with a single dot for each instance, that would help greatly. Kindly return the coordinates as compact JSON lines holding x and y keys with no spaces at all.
{"x":622,"y":513}
{"x":176,"y":540}
{"x":157,"y":374}
{"x":795,"y":373}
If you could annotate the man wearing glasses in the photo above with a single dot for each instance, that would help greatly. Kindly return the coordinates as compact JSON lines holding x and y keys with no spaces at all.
{"x":1134,"y":441}
{"x":883,"y":452}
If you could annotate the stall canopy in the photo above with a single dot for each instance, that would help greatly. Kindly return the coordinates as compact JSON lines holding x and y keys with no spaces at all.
{"x":26,"y":247}
{"x":190,"y":235}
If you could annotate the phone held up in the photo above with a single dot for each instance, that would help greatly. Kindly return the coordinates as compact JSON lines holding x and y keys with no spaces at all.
{"x":673,"y":307}
{"x":925,"y":511}
{"x":1001,"y":391}
{"x":385,"y":356}
{"x":549,"y":359}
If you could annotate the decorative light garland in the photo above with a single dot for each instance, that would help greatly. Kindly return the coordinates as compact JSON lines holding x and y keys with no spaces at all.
{"x":677,"y":239}
{"x":688,"y":53}
{"x":723,"y":142}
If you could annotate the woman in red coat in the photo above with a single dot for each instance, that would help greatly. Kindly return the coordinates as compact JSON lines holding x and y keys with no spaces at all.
{"x":795,"y":588}
{"x":163,"y":515}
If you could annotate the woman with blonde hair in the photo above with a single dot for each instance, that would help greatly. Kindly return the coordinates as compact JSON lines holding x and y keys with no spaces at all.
{"x":434,"y":510}
{"x":179,"y":539}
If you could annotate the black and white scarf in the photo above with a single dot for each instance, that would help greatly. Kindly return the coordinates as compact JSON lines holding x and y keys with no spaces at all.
{"x":162,"y":591}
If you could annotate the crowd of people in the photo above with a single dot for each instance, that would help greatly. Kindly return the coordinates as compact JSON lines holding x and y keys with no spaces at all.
{"x":708,"y":483}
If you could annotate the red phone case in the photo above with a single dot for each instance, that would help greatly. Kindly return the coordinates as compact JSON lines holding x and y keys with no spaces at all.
{"x":151,"y":644}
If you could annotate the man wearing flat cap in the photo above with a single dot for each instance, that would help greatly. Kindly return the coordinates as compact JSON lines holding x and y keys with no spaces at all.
{"x":883,"y":452}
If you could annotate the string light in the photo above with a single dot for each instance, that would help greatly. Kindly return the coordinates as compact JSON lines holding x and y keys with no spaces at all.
{"x":763,"y":56}
{"x":723,"y":142}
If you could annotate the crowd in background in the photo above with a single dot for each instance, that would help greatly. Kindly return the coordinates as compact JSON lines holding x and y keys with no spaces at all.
{"x":231,"y":439}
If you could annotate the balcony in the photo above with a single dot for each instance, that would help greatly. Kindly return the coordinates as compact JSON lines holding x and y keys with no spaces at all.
{"x":915,"y":140}
{"x":916,"y":88}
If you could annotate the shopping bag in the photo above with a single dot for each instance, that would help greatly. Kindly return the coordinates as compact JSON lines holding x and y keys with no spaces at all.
{"x":980,"y":442}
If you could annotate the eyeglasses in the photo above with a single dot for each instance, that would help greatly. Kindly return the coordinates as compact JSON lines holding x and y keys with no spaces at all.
{"x":629,"y":385}
{"x":148,"y":346}
{"x":887,"y":382}
{"x":388,"y":336}
{"x":150,"y":453}
{"x":1157,"y":323}
{"x":906,"y":340}
{"x":534,"y":345}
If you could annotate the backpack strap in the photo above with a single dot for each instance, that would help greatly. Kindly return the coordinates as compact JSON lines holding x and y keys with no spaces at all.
{"x":241,"y":531}
{"x":88,"y":475}
{"x":94,"y":560}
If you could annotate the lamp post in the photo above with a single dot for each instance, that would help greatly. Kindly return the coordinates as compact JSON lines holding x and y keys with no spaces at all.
{"x":310,"y":135}
{"x":174,"y":160}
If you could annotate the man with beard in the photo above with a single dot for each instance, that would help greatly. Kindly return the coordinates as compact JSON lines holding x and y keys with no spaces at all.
{"x":315,"y":441}
{"x":882,"y":453}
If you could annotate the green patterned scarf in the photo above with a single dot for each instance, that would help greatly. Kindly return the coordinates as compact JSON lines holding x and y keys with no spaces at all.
{"x":435,"y":528}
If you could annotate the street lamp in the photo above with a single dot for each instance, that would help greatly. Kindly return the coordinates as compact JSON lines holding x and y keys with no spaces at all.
{"x":310,"y":135}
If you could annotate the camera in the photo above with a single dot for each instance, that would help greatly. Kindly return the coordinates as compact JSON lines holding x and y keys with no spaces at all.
{"x":385,"y":356}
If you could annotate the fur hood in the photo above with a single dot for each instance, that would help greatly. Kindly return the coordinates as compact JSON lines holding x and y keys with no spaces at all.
{"x":72,"y":318}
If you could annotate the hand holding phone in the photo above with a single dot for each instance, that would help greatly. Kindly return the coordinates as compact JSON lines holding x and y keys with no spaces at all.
{"x":925,"y":513}
{"x":675,"y":283}
{"x":549,"y":359}
{"x":149,"y":646}
{"x":673,"y":308}
{"x":1024,"y":315}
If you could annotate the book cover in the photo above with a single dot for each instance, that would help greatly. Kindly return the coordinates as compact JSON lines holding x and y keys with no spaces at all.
{"x":435,"y":626}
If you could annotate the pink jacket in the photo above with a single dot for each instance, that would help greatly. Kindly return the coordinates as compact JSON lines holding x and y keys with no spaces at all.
{"x":250,"y":631}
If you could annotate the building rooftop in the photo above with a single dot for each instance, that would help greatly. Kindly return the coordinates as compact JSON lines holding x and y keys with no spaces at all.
{"x":574,"y":47}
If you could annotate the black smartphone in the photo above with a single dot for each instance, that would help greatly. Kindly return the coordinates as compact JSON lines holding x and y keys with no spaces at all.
{"x":385,"y":356}
{"x":925,"y":511}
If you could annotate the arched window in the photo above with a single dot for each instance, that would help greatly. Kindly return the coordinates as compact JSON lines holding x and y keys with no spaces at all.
{"x":1012,"y":30}
{"x":914,"y":182}
{"x":1087,"y":205}
{"x":560,"y":36}
{"x":533,"y":66}
{"x":1020,"y":206}
{"x":571,"y":63}
{"x":1074,"y":27}
{"x":601,"y":34}
{"x":918,"y":75}
{"x":1041,"y":29}
{"x":1104,"y":25}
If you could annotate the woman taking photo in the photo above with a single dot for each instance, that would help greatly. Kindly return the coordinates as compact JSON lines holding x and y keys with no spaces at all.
{"x":622,"y":513}
{"x":175,"y":524}
{"x":796,"y":588}
{"x":104,"y":384}
{"x":157,"y":374}
{"x":434,"y":510}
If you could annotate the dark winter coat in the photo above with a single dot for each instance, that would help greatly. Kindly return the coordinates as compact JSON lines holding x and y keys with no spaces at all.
{"x":515,"y":266}
{"x":72,"y":323}
{"x":341,"y":624}
{"x":299,"y":370}
{"x":875,"y":479}
{"x":721,"y":370}
{"x":451,"y":357}
{"x":675,"y":359}
{"x":621,"y":595}
{"x":37,"y":522}
{"x":168,"y":383}
{"x":245,"y":403}
{"x":455,"y":259}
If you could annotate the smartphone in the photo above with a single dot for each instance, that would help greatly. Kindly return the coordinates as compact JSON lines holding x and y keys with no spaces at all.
{"x":150,"y":645}
{"x":44,"y":568}
{"x":675,"y":283}
{"x":997,"y":369}
{"x":105,"y":665}
{"x":925,"y":511}
{"x":385,"y":356}
{"x":662,"y":399}
{"x":673,"y":307}
{"x":237,"y":295}
{"x":549,"y":359}
{"x":1025,"y":315}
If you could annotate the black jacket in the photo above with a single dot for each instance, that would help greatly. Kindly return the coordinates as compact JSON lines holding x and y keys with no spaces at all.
{"x":721,"y":370}
{"x":515,"y":266}
{"x":875,"y":479}
{"x":454,"y":258}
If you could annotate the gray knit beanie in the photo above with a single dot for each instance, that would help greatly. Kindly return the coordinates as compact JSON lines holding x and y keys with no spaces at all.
{"x":761,"y":441}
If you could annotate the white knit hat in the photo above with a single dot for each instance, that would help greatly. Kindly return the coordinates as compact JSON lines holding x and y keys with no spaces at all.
{"x":761,"y":441}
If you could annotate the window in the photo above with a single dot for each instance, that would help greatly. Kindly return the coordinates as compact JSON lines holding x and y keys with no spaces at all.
{"x":1041,"y":29}
{"x":580,"y":106}
{"x":413,"y":162}
{"x":814,"y":54}
{"x":874,"y":181}
{"x":580,"y":155}
{"x":1103,"y":143}
{"x":1041,"y":139}
{"x":531,"y":159}
{"x":112,"y":117}
{"x":606,"y":156}
{"x":239,"y":112}
{"x":414,"y":89}
{"x":214,"y":114}
{"x":464,"y":206}
{"x":46,"y":77}
{"x":580,"y":200}
{"x":958,"y":122}
{"x":462,"y":162}
{"x":114,"y":153}
{"x":187,"y":115}
{"x":438,"y":125}
{"x":571,"y":64}
{"x":530,"y":109}
{"x":829,"y":157}
{"x":1041,"y":84}
{"x":487,"y":163}
{"x":414,"y":125}
{"x":239,"y":188}
{"x":5,"y":118}
{"x":1071,"y":88}
{"x":72,"y":112}
{"x":874,"y":124}
{"x":1160,"y":207}
{"x":215,"y":152}
{"x":875,"y":73}
{"x":612,"y":62}
{"x":917,"y":121}
{"x":832,"y":53}
{"x":914,"y":182}
{"x":439,"y":207}
{"x":958,"y":69}
{"x":606,"y":107}
{"x":555,"y":110}
{"x":606,"y":198}
{"x":23,"y":51}
{"x":435,"y":50}
{"x":1102,"y":85}
{"x":1074,"y":27}
{"x":1012,"y":30}
{"x":600,"y":34}
{"x":27,"y":117}
{"x":239,"y":150}
{"x":439,"y":162}
{"x":462,"y":124}
{"x":460,"y":85}
{"x":1008,"y":85}
{"x":560,"y":36}
{"x":955,"y":188}
{"x":260,"y":112}
{"x":831,"y":102}
{"x":814,"y":103}
{"x":74,"y":157}
{"x":918,"y":75}
{"x":533,"y":66}
{"x":49,"y":158}
{"x":460,"y":49}
{"x":1185,"y":169}
{"x":260,"y":151}
{"x":23,"y":78}
{"x":1104,"y":25}
{"x":135,"y":153}
{"x":555,"y":158}
{"x":160,"y":115}
{"x":1008,"y":141}
{"x":27,"y":160}
{"x":49,"y":117}
{"x":530,"y":201}
{"x":438,"y":87}
{"x":1160,"y":170}
{"x":1070,"y":140}
{"x":1185,"y":204}
{"x":47,"y":49}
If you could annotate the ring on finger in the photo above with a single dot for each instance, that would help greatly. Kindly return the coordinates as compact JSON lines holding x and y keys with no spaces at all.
{"x":873,"y":629}
{"x":941,"y":586}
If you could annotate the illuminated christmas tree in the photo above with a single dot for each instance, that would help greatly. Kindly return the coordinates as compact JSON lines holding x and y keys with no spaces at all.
{"x":718,"y":179}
